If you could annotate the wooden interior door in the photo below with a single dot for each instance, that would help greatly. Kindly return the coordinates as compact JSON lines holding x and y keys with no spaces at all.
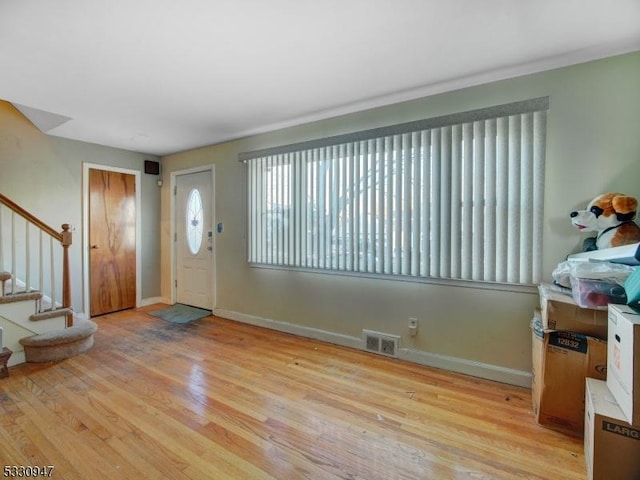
{"x":112,"y":241}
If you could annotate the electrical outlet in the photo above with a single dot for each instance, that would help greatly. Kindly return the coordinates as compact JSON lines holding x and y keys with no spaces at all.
{"x":413,"y":326}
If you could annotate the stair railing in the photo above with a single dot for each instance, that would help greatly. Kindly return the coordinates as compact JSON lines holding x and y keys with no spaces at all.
{"x":20,"y":246}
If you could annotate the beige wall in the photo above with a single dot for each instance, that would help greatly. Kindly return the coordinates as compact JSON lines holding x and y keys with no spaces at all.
{"x":593,"y":146}
{"x":43,"y":174}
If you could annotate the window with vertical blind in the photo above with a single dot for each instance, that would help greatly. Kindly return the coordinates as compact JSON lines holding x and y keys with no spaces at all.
{"x":458,"y":197}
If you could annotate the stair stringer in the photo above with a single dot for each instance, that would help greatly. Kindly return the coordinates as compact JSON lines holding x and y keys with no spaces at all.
{"x":15,"y":323}
{"x":11,"y":335}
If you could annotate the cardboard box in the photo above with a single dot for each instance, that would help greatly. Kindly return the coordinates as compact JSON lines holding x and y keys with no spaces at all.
{"x":611,"y":445}
{"x":561,"y":362}
{"x":623,"y":355}
{"x":560,"y":312}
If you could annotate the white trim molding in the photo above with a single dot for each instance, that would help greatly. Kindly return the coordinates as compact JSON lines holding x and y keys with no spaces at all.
{"x":145,"y":302}
{"x":487,"y":371}
{"x":286,"y":327}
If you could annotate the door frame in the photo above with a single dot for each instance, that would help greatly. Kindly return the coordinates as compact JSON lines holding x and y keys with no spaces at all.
{"x":86,"y":166}
{"x":173,"y":257}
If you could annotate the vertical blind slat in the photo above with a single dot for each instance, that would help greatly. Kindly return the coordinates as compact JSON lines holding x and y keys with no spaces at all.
{"x":526,"y":194}
{"x":467,"y":207}
{"x":539,"y":133}
{"x":251,"y":192}
{"x":478,"y":208}
{"x":407,"y":195}
{"x":457,"y":187}
{"x":502,"y":183}
{"x":304,"y":215}
{"x":425,"y":241}
{"x":416,"y":176}
{"x":513,"y":265}
{"x":445,"y":204}
{"x":356,"y":191}
{"x":312,"y":222}
{"x":388,"y":211}
{"x":267,"y":214}
{"x":320,"y":178}
{"x":280,"y":175}
{"x":259,"y":213}
{"x":380,"y":205}
{"x":298,"y":207}
{"x":365,"y":214}
{"x":490,"y":201}
{"x":318,"y":240}
{"x":435,"y":204}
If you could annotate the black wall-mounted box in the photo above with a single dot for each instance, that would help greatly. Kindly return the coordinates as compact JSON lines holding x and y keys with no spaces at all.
{"x":152,"y":167}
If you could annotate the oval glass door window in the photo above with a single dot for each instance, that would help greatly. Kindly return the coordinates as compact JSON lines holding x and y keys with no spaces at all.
{"x":195,"y":219}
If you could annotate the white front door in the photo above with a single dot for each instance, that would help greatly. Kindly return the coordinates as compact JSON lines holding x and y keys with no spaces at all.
{"x":194,"y":240}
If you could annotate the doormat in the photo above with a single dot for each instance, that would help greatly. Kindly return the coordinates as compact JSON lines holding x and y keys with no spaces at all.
{"x":180,"y":313}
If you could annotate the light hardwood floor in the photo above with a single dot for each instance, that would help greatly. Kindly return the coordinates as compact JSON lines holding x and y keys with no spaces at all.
{"x":217,"y":399}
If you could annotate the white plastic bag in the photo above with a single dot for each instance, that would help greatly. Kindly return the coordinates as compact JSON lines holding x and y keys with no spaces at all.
{"x":594,"y":284}
{"x":594,"y":270}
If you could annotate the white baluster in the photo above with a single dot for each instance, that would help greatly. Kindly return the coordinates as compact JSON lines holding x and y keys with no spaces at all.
{"x":41,"y":263}
{"x":53,"y":282}
{"x":13,"y":252}
{"x":27,"y":257}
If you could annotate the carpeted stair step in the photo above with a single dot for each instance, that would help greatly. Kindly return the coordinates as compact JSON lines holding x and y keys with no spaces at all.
{"x":60,"y":344}
{"x":20,"y":297}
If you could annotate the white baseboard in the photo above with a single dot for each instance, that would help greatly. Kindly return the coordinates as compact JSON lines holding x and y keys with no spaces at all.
{"x":487,"y":371}
{"x":145,"y":302}
{"x":302,"y":331}
{"x":453,"y":364}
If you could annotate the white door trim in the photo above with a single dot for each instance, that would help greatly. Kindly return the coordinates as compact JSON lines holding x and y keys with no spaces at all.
{"x":85,"y":230}
{"x":173,"y":186}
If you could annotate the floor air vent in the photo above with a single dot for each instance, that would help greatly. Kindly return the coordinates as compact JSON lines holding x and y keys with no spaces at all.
{"x":381,"y":343}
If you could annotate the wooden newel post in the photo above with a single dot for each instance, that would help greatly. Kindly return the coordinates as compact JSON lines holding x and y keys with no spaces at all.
{"x":66,"y":272}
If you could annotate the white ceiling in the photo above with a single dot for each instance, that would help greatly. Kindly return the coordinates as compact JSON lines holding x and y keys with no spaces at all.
{"x":161,"y":76}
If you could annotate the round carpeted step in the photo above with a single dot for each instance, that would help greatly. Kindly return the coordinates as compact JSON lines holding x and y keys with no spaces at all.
{"x":60,"y":344}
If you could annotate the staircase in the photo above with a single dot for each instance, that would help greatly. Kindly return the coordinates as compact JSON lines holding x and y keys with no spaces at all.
{"x":37,"y":326}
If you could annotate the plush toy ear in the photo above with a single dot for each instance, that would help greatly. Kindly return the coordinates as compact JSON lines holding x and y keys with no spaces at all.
{"x":625,"y":207}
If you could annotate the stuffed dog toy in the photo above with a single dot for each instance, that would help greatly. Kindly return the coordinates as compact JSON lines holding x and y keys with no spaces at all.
{"x":611,"y":216}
